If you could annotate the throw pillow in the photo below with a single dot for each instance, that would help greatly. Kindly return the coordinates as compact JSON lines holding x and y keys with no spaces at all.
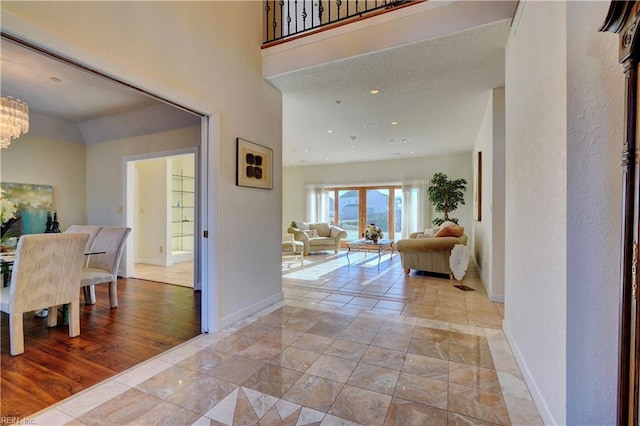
{"x":300,"y":224}
{"x":431,"y":232}
{"x":425,"y":235}
{"x":446,"y":224}
{"x":324,"y":230}
{"x":311,"y":233}
{"x":451,"y":231}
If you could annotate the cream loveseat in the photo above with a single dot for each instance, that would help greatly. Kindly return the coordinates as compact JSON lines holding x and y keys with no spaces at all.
{"x":317,"y":236}
{"x":429,"y":253}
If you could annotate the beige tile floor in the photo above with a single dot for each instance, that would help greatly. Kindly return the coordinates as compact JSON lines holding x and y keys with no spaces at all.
{"x":178,"y":274}
{"x":349,"y":345}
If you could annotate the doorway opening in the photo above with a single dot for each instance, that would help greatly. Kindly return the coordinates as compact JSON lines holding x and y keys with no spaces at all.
{"x":165,"y":212}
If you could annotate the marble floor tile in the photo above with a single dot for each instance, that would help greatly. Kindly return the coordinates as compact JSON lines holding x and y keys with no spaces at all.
{"x":409,"y":413}
{"x":434,"y":368}
{"x":202,"y":394}
{"x":272,"y":380}
{"x":384,"y":357}
{"x":352,"y":358}
{"x":474,"y":376}
{"x":476,"y":403}
{"x":167,"y":414}
{"x":345,"y":349}
{"x":314,"y":392}
{"x":237,"y":369}
{"x":124,"y":408}
{"x":391,"y":341}
{"x":422,"y":390}
{"x":374,"y":378}
{"x":332,"y":368}
{"x":361,"y":406}
{"x":295,"y":359}
{"x":168,"y":382}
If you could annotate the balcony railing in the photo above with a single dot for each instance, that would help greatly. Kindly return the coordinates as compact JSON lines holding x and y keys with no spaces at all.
{"x":288,"y":18}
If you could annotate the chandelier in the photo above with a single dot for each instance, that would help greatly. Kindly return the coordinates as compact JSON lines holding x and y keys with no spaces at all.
{"x":14,"y":120}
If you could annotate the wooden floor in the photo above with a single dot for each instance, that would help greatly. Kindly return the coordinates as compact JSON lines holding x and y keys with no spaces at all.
{"x":151,"y":317}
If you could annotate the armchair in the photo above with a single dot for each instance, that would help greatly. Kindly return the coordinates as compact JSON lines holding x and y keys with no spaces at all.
{"x":317,"y":236}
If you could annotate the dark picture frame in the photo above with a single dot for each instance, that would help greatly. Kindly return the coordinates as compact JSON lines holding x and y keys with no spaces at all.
{"x":254,"y":165}
{"x":477,"y":192}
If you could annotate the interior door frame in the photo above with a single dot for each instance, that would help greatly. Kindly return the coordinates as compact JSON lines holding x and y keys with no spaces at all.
{"x":209,"y":145}
{"x":129,"y":203}
{"x":622,"y":18}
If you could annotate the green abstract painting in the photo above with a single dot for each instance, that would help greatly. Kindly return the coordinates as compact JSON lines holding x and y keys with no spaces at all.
{"x":34,"y":202}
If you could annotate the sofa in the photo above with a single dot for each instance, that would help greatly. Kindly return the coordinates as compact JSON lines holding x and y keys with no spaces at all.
{"x":423,"y":251}
{"x":317,"y":236}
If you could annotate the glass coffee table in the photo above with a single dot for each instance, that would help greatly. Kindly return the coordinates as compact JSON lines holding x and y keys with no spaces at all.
{"x":369,"y":246}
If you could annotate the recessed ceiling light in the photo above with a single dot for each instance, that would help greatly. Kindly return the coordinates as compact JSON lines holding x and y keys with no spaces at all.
{"x":366,"y":156}
{"x":374,"y":91}
{"x":329,"y":131}
{"x":404,"y":141}
{"x":327,"y":159}
{"x":411,"y":152}
{"x":352,"y":146}
{"x":394,"y":122}
{"x":306,"y":150}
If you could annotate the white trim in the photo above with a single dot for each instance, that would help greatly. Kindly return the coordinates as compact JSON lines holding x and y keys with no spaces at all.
{"x":249,"y":310}
{"x":538,"y":397}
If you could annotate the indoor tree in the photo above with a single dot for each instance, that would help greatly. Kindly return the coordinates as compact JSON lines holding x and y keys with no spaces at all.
{"x":445,"y":194}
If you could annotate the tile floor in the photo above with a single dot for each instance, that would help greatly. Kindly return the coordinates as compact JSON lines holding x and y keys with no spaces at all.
{"x":178,"y":274}
{"x":349,"y":345}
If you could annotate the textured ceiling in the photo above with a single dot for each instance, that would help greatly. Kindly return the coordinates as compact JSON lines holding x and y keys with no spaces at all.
{"x":437,"y":90}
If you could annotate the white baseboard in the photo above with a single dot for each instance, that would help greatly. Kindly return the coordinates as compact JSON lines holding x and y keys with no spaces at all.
{"x":496,"y":297}
{"x":256,"y":307}
{"x":538,"y":398}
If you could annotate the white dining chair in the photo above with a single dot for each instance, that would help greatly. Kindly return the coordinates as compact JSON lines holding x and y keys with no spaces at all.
{"x":90,"y":230}
{"x":103,"y":268}
{"x":46,"y":273}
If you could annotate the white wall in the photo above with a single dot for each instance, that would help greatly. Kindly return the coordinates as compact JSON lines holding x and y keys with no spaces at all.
{"x":563,"y":136}
{"x":482,"y":238}
{"x":488,"y":233}
{"x":536,"y":207}
{"x":45,"y":161}
{"x":205,"y":55}
{"x":595,"y":93}
{"x":378,"y":172}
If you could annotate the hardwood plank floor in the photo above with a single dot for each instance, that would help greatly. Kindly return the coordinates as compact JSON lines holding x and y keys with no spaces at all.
{"x":151,"y":317}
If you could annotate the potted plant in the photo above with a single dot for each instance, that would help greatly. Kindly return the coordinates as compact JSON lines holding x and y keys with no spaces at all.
{"x":446,"y":194}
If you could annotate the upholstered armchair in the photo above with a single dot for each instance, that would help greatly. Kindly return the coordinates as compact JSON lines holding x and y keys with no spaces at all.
{"x":317,"y":236}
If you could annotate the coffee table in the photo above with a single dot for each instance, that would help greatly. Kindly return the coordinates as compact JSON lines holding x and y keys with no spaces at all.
{"x":370,"y":246}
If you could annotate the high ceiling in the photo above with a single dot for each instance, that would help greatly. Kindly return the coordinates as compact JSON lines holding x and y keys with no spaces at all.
{"x":436,"y":90}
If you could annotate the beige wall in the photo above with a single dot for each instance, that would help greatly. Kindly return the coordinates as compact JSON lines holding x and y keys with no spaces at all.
{"x":151,"y":221}
{"x":206,"y":55}
{"x":371,"y":173}
{"x":39,"y":160}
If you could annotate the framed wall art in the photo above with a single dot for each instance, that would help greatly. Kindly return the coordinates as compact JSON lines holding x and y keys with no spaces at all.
{"x":254,"y":165}
{"x":477,"y":188}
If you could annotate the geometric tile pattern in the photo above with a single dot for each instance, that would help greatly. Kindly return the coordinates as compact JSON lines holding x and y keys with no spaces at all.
{"x":330,"y":354}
